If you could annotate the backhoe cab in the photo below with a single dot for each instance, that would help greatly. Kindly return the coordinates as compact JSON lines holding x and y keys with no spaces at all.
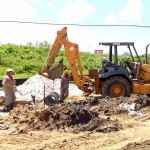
{"x":123,"y":77}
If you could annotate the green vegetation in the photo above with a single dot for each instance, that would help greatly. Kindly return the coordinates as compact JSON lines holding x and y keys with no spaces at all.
{"x":25,"y":60}
{"x":28,"y":59}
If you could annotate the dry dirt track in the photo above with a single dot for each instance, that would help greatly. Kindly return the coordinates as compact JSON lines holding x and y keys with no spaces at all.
{"x":135,"y":131}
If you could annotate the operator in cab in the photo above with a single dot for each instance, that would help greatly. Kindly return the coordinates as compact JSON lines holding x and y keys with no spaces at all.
{"x":64,"y":86}
{"x":105,"y":64}
{"x":9,"y":87}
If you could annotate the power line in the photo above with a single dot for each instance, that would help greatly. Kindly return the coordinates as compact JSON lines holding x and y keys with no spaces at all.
{"x":74,"y":24}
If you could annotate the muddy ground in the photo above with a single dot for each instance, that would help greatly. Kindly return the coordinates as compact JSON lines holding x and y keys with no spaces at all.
{"x":94,"y":123}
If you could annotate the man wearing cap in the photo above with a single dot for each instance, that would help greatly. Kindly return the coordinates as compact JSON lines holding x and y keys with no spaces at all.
{"x":105,"y":64}
{"x":64,"y":87}
{"x":9,"y":86}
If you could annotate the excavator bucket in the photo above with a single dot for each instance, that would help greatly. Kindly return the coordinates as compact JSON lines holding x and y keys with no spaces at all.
{"x":56,"y":72}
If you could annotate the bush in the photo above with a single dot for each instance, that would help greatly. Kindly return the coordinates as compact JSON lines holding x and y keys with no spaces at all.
{"x":28,"y":59}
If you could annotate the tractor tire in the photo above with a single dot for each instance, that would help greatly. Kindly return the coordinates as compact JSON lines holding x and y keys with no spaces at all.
{"x":116,"y":86}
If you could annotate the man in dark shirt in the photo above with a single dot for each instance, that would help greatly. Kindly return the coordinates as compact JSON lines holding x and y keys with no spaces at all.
{"x":64,"y":87}
{"x":105,"y":64}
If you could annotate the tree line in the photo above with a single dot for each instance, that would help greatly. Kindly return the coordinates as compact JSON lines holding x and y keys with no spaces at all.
{"x":28,"y":59}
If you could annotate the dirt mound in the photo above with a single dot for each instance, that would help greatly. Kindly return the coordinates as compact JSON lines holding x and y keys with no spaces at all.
{"x":70,"y":116}
{"x":122,"y":105}
{"x":77,"y":116}
{"x":38,"y":85}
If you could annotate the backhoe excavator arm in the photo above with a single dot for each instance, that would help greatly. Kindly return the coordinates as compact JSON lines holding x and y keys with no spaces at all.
{"x":74,"y":60}
{"x":54,"y":51}
{"x":72,"y":52}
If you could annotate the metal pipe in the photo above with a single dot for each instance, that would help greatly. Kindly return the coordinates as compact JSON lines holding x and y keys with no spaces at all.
{"x":147,"y":53}
{"x":44,"y":96}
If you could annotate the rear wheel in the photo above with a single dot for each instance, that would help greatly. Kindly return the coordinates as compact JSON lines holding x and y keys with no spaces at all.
{"x":116,"y":86}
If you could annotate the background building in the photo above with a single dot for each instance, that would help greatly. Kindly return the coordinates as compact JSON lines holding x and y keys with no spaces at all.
{"x":98,"y":51}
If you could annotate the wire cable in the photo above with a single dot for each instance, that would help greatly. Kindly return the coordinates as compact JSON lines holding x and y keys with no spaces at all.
{"x":74,"y":24}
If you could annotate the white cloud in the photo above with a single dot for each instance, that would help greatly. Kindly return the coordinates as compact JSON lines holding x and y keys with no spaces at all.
{"x":111,"y":18}
{"x":76,"y":10}
{"x":15,"y":32}
{"x":132,"y":11}
{"x":49,"y":6}
{"x":23,"y":33}
{"x":16,"y":9}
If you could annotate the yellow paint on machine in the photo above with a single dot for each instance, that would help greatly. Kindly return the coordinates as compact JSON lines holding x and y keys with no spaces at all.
{"x":141,"y":88}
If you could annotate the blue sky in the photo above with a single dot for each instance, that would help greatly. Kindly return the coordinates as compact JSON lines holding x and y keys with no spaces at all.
{"x":93,"y":12}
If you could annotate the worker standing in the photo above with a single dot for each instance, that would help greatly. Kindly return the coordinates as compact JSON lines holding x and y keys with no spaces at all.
{"x":8,"y":83}
{"x":64,"y":87}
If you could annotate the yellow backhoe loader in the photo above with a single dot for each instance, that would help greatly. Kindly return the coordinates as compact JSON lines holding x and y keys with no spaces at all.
{"x":119,"y":80}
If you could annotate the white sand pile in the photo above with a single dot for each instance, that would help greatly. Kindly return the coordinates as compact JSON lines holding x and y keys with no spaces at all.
{"x":35,"y":86}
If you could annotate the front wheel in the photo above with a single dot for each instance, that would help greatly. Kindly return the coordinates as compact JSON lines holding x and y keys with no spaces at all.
{"x":116,"y":86}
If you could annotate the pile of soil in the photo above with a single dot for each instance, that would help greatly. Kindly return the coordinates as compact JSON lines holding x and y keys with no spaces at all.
{"x":39,"y":86}
{"x":122,"y":105}
{"x":92,"y":114}
{"x":70,"y":116}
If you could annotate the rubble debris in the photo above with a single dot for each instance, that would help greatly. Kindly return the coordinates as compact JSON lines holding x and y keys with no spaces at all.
{"x":3,"y":126}
{"x":132,"y":106}
{"x":132,"y":113}
{"x":142,"y":101}
{"x":137,"y":145}
{"x":70,"y":116}
{"x":16,"y":132}
{"x":109,"y":128}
